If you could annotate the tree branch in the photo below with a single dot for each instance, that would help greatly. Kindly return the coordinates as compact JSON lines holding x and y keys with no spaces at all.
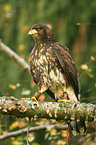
{"x":32,"y":129}
{"x":11,"y":54}
{"x":49,"y":110}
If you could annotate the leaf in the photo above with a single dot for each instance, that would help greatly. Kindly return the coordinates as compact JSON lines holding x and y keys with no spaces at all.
{"x":89,"y":70}
{"x":46,"y":135}
{"x":14,"y":125}
{"x":12,"y":86}
{"x":7,"y":94}
{"x":44,"y":119}
{"x":89,"y":138}
{"x":25,"y":92}
{"x":18,"y":85}
{"x":4,"y":132}
{"x":53,"y":132}
{"x":21,"y":47}
{"x":25,"y":29}
{"x":84,"y":66}
{"x":7,"y":7}
{"x":60,"y":142}
{"x":38,"y":123}
{"x":64,"y":133}
{"x":92,"y":58}
{"x":15,"y":142}
{"x":90,"y":75}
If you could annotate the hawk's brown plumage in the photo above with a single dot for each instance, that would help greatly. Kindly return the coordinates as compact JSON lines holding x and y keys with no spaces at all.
{"x":52,"y":66}
{"x":53,"y":69}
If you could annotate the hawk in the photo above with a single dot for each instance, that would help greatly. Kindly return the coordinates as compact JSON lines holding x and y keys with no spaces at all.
{"x":52,"y":66}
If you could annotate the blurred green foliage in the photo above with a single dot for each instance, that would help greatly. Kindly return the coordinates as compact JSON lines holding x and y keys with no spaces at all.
{"x":74,"y":24}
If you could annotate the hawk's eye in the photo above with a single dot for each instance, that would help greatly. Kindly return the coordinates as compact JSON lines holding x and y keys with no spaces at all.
{"x":39,"y":28}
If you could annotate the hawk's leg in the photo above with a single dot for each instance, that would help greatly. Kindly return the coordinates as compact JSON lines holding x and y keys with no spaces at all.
{"x":34,"y":97}
{"x":42,"y":89}
{"x":63,"y":97}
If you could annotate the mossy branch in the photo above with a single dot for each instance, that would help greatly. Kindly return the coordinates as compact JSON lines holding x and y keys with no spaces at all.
{"x":49,"y":110}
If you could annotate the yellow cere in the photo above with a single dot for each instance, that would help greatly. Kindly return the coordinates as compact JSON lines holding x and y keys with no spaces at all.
{"x":33,"y":31}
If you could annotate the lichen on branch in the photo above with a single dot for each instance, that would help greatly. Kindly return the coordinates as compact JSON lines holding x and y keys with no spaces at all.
{"x":50,"y":110}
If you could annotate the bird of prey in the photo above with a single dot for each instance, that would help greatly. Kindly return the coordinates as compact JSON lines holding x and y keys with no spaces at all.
{"x":54,"y":70}
{"x":52,"y":66}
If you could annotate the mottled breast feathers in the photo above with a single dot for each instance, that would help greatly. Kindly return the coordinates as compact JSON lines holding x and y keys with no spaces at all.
{"x":52,"y":66}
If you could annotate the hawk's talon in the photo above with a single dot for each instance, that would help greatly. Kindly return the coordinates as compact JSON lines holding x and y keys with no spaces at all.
{"x":25,"y":98}
{"x":65,"y":100}
{"x":31,"y":98}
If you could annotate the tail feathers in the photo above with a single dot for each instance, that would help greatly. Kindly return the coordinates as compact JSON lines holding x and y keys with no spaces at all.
{"x":77,"y":127}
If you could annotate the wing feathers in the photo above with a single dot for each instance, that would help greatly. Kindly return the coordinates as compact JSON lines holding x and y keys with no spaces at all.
{"x":68,"y":66}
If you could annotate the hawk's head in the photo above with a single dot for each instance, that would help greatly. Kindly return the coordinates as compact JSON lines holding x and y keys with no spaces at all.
{"x":41,"y":32}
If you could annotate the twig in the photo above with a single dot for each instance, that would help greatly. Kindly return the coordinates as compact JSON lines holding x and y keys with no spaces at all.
{"x":11,"y":54}
{"x":32,"y":129}
{"x":29,"y":123}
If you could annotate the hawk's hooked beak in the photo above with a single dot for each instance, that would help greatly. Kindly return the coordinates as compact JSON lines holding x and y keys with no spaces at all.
{"x":31,"y":32}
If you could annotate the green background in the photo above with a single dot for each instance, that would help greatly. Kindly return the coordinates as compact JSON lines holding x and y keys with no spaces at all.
{"x":73,"y":24}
